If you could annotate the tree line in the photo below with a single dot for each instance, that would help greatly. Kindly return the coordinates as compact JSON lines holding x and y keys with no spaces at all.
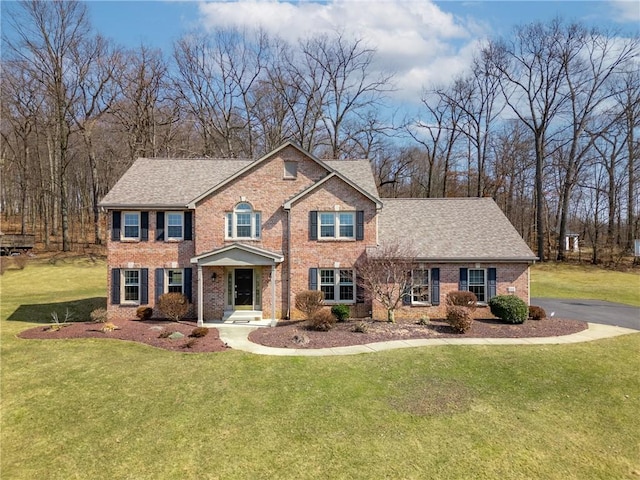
{"x":545,"y":120}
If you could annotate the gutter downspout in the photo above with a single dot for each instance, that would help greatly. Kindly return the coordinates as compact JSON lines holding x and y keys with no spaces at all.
{"x":288,"y":257}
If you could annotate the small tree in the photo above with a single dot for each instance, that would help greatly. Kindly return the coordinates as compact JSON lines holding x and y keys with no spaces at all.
{"x":385,"y":273}
{"x":174,"y":305}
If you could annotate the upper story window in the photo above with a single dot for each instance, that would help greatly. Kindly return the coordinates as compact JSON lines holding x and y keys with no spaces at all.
{"x":420,"y":287}
{"x":175,"y":223}
{"x":131,"y":230}
{"x":243,"y":222}
{"x":290,"y":169}
{"x":337,"y":225}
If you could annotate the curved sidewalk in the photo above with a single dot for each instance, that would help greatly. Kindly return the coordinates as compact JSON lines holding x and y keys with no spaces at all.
{"x":237,"y":338}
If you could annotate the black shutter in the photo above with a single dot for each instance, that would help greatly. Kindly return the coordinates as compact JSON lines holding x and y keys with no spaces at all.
{"x":115,"y":286}
{"x":360,"y":225}
{"x":144,"y":286}
{"x":313,"y":225}
{"x":159,"y":283}
{"x":313,"y":279}
{"x":188,"y":225}
{"x":493,"y":284}
{"x":188,"y":275}
{"x":144,"y":226}
{"x":463,"y":284}
{"x":160,"y":226}
{"x":116,"y":216}
{"x":435,"y":286}
{"x":406,"y":294}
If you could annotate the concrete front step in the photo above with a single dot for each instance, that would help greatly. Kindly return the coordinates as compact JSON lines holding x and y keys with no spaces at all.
{"x":242,"y":316}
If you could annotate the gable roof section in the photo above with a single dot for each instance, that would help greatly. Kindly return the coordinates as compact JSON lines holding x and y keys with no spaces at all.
{"x":238,"y":254}
{"x":168,"y":182}
{"x":452,"y":229}
{"x":356,"y":173}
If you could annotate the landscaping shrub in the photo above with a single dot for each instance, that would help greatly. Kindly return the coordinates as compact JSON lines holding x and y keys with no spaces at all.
{"x":323,"y":320}
{"x":424,"y":320}
{"x":459,"y":318}
{"x":309,"y":302}
{"x":537,"y":313}
{"x":174,"y":305}
{"x":361,"y":327}
{"x":144,"y":313}
{"x":509,"y":308}
{"x":199,"y":332}
{"x":459,"y":298}
{"x":99,"y":315}
{"x":340,"y":311}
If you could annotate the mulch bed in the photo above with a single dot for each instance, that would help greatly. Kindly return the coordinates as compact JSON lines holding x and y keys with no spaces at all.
{"x":297,"y":334}
{"x":142,"y":331}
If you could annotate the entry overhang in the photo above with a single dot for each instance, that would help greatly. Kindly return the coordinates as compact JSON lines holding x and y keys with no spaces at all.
{"x":238,"y":255}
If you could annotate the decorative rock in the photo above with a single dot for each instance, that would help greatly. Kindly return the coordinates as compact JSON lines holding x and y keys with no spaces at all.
{"x":300,"y":339}
{"x":176,"y":336}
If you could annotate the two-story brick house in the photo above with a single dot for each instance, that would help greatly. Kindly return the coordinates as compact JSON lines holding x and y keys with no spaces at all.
{"x":241,"y":238}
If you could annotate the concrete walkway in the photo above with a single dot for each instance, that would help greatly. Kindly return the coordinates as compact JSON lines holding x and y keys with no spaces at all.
{"x":236,"y":337}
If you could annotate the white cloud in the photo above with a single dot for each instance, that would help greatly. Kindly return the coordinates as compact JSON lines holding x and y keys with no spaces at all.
{"x":414,"y":39}
{"x":626,"y":11}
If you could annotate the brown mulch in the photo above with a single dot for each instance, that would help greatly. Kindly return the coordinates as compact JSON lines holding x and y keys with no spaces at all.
{"x":142,"y":331}
{"x":297,"y":334}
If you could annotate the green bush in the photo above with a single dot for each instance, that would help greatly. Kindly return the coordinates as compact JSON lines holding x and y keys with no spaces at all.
{"x":323,"y":320}
{"x":340,"y":311}
{"x":199,"y":332}
{"x":459,"y":298}
{"x":459,"y":318}
{"x":310,"y":301}
{"x":144,"y":313}
{"x":509,"y":308}
{"x":537,"y":313}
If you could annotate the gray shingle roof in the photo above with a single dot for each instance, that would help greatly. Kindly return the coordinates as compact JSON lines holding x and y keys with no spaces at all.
{"x":357,"y":172}
{"x":169,"y":182}
{"x":461,"y":229}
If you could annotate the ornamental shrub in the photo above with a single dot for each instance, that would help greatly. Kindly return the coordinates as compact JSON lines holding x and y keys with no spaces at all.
{"x":144,"y":313}
{"x":174,"y":305}
{"x":340,"y":311}
{"x":99,"y":315}
{"x":509,"y":308}
{"x":459,"y":318}
{"x":309,"y":302}
{"x":537,"y":313}
{"x":199,"y":332}
{"x":459,"y":298}
{"x":323,"y":320}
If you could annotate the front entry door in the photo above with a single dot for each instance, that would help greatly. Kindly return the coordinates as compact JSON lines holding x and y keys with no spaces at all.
{"x":244,"y":289}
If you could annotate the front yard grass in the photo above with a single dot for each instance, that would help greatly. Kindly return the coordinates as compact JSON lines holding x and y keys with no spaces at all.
{"x":99,"y":409}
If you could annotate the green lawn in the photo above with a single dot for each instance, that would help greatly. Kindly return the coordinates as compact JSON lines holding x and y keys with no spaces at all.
{"x":104,"y":409}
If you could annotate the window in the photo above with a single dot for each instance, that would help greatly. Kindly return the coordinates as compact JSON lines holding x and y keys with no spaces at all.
{"x":337,"y":285}
{"x":419,"y":286}
{"x":337,"y":225}
{"x":290,"y":169}
{"x":174,"y":225}
{"x":477,"y":283}
{"x":131,"y":286}
{"x":243,"y":222}
{"x":174,"y":281}
{"x":131,"y":226}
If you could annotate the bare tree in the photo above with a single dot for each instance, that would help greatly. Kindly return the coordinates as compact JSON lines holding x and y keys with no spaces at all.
{"x":385,"y":273}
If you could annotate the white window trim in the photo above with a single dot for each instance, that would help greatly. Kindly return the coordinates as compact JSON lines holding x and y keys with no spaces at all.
{"x":123,"y":286}
{"x":123,"y":228}
{"x":256,"y":225}
{"x":336,"y":225}
{"x":484,"y":285}
{"x":414,"y":285}
{"x":336,"y":285}
{"x":166,"y":226}
{"x":166,"y":279}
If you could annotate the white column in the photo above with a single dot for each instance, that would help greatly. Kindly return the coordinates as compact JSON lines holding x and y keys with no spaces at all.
{"x":273,"y":295}
{"x":200,"y":294}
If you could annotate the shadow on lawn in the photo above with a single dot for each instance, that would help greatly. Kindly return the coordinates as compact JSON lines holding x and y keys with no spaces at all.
{"x":78,"y":310}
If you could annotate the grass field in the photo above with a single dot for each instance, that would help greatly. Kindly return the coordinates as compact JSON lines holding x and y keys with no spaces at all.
{"x":101,"y":409}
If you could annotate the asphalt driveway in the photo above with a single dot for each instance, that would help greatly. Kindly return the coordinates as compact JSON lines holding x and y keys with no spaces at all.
{"x":594,"y":311}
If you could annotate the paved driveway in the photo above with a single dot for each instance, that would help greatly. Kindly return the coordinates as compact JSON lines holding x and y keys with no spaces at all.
{"x":595,"y":311}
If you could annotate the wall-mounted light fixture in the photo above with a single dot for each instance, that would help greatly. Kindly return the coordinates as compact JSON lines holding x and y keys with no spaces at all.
{"x":214,"y":276}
